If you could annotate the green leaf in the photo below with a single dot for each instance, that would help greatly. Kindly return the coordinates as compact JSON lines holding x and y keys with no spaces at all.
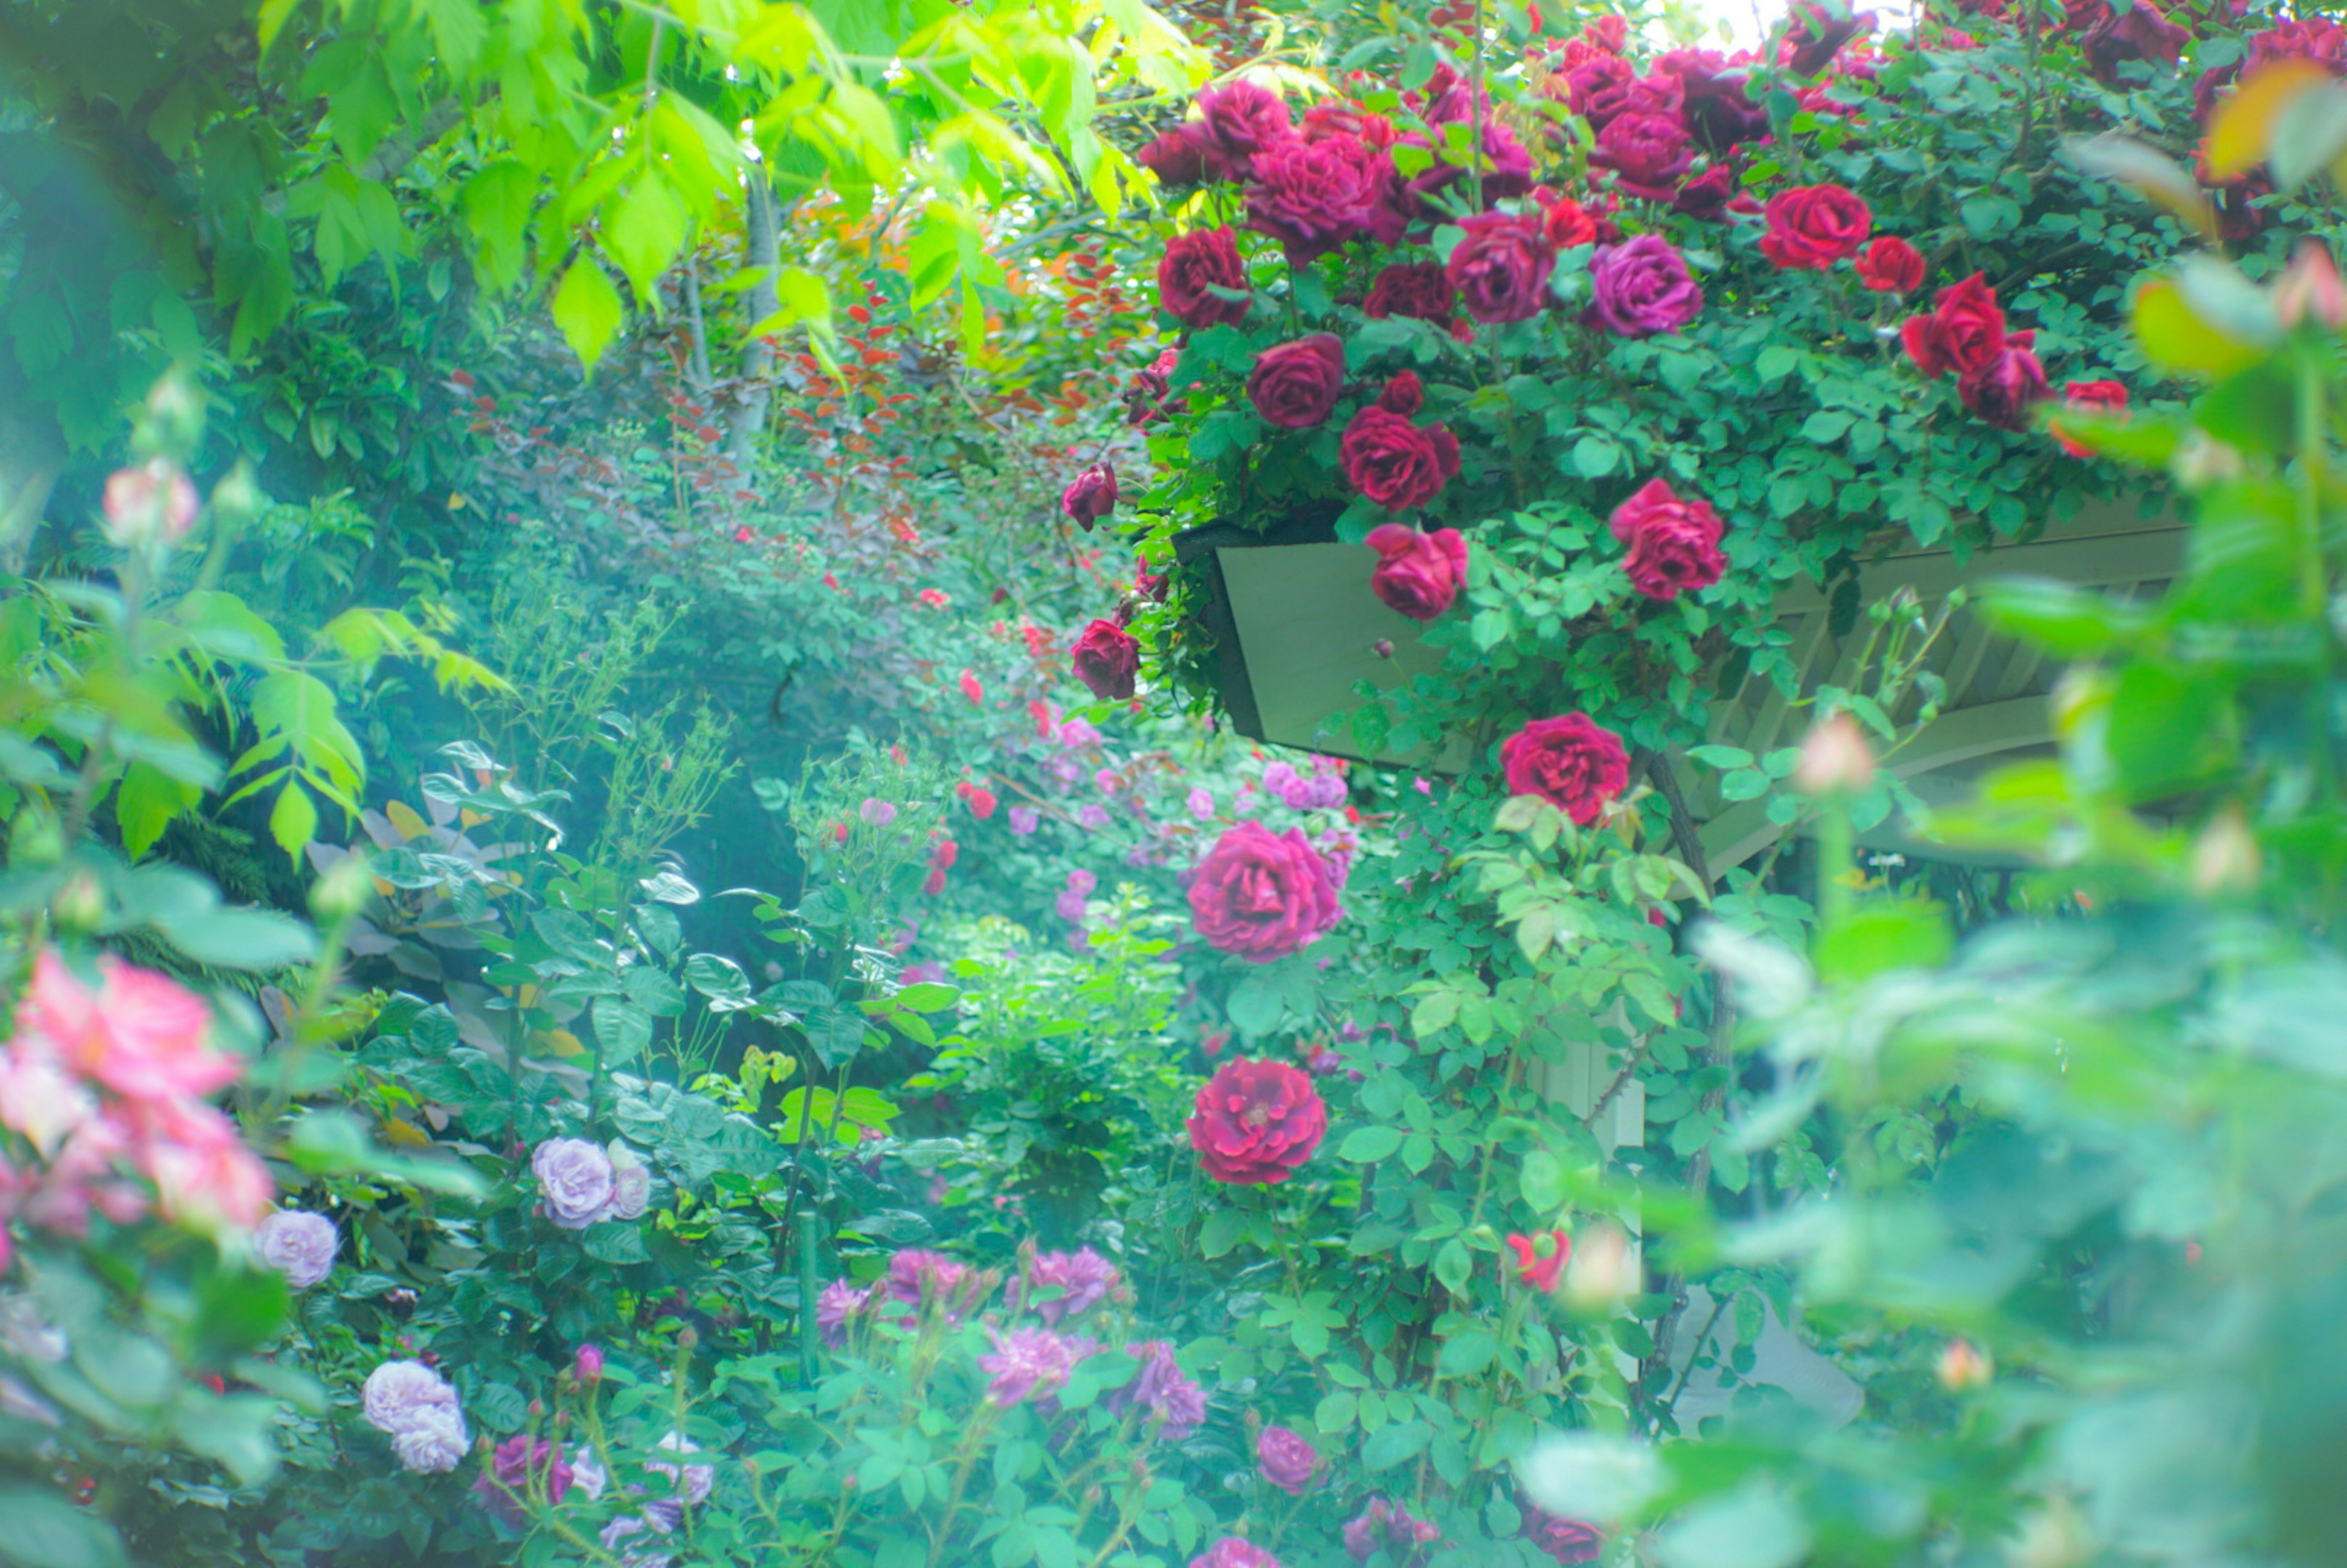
{"x":1467,"y":1355}
{"x":643,"y":233}
{"x":45,"y":1530}
{"x":1594,"y":457}
{"x":588,"y":310}
{"x":1366,"y":1145}
{"x":293,"y":821}
{"x":240,"y":938}
{"x":1223,"y":1231}
{"x":623,"y":1030}
{"x":1255,"y":1006}
{"x":1390,"y":1445}
{"x":1541,"y":1181}
{"x":616,"y":1242}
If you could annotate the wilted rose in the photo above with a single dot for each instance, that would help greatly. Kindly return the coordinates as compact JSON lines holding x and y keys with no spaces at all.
{"x":1090,"y":496}
{"x":2003,"y":391}
{"x":1236,"y":122}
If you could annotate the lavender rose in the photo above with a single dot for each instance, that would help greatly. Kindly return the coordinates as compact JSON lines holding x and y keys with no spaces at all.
{"x":695,"y":1478}
{"x":631,"y":1183}
{"x":1163,"y":1389}
{"x":1083,"y":1278}
{"x":1030,"y":1363}
{"x":1294,"y":385}
{"x":396,"y":1390}
{"x":433,"y":1443}
{"x":297,"y":1244}
{"x":1286,"y":1459}
{"x":1642,"y":287}
{"x":574,"y":1181}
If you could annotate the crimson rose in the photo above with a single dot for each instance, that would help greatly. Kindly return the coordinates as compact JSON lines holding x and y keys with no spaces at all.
{"x":1295,"y":386}
{"x":1405,"y":395}
{"x":1811,"y":227}
{"x":1642,"y":287}
{"x":1262,"y":895}
{"x":1890,"y":266}
{"x":1674,"y":543}
{"x":2144,"y":33}
{"x":2088,"y":397}
{"x":1964,"y":330}
{"x":1194,"y":266}
{"x":1417,"y":574}
{"x":1313,"y":196}
{"x":1706,"y":195}
{"x":1235,"y":122}
{"x":1598,"y":88}
{"x":1819,"y":32}
{"x":1568,"y":762}
{"x":1106,"y":658}
{"x":1414,"y":289}
{"x":1646,"y":152}
{"x":1175,"y":156}
{"x":1501,"y":267}
{"x":1091,"y":496}
{"x":2002,"y":390}
{"x":1255,"y":1122}
{"x":1396,"y":464}
{"x":1720,"y":111}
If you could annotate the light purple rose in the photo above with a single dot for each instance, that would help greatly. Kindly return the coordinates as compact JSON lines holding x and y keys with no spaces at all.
{"x":1163,"y":1389}
{"x":631,"y":1183}
{"x":396,"y":1390}
{"x":1642,"y":287}
{"x":297,"y":1244}
{"x":1023,"y":820}
{"x":586,"y":1471}
{"x":1092,"y":816}
{"x":1083,"y":1279}
{"x":878,"y":813}
{"x":432,"y":1442}
{"x":1233,"y":1551}
{"x":1286,"y":1459}
{"x":839,"y":1302}
{"x":1202,"y":805}
{"x":1030,"y":1363}
{"x":574,"y":1181}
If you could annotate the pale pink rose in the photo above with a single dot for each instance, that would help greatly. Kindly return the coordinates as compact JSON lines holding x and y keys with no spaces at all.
{"x":396,"y":1390}
{"x":631,"y":1183}
{"x":697,"y":1479}
{"x":153,"y":503}
{"x":204,"y":1176}
{"x":39,"y":1098}
{"x":299,"y":1244}
{"x":142,"y":1034}
{"x":433,"y":1443}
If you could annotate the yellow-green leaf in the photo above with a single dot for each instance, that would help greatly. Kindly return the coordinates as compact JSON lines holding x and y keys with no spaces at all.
{"x":588,"y":310}
{"x":2175,"y":337}
{"x":643,"y":233}
{"x":293,"y":821}
{"x":2242,"y":126}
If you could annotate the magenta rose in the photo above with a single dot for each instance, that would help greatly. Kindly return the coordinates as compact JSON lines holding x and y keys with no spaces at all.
{"x":1194,"y":266}
{"x":1393,"y":462}
{"x":1106,"y":658}
{"x":1235,"y":123}
{"x":1567,"y":1542}
{"x":1256,"y":1121}
{"x":1598,"y":88}
{"x":1418,"y":290}
{"x":1706,"y":195}
{"x":1646,"y":152}
{"x":1286,"y":1459}
{"x":1261,"y":894}
{"x":1715,"y":104}
{"x":1811,"y":227}
{"x":1233,"y":1551}
{"x":1642,"y":287}
{"x":1502,"y":268}
{"x":1674,"y":543}
{"x":1175,"y":157}
{"x":1417,"y":574}
{"x":1295,"y":386}
{"x":1314,"y":195}
{"x":1819,"y":32}
{"x":2002,"y":390}
{"x":1091,"y":496}
{"x":1569,"y":762}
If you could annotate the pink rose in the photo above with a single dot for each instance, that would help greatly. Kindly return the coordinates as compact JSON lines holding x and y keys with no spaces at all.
{"x":1091,"y":496}
{"x":1261,"y":894}
{"x":1233,"y":1551}
{"x":151,"y":504}
{"x":1106,"y":660}
{"x":1286,"y":1459}
{"x":1294,"y":385}
{"x":1314,"y":195}
{"x":1569,"y":762}
{"x":139,"y":1034}
{"x":1417,"y":574}
{"x":1674,"y":543}
{"x":1256,"y":1121}
{"x":1642,"y":287}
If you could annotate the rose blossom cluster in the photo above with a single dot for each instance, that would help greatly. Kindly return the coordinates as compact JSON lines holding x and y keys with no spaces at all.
{"x":1323,"y":789}
{"x":418,"y":1408}
{"x":1384,"y":1523}
{"x":106,"y":1085}
{"x":1997,"y":374}
{"x":580,"y":1185}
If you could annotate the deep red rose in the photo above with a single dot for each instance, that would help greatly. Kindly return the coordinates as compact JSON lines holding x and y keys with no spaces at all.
{"x":2318,"y":39}
{"x":1256,"y":1121}
{"x":1106,"y":658}
{"x":1598,"y":88}
{"x":1890,"y":266}
{"x":1417,"y":574}
{"x":1718,"y":109}
{"x":1416,"y":289}
{"x":1568,"y":223}
{"x":1811,"y":227}
{"x":2088,"y":397}
{"x":1706,"y":195}
{"x":2144,"y":33}
{"x":1261,"y":894}
{"x":1235,"y":122}
{"x":1569,"y":762}
{"x":1611,"y":34}
{"x":1314,"y":195}
{"x":1502,"y":268}
{"x":1295,"y":386}
{"x":1674,"y":543}
{"x":2002,"y":390}
{"x":1404,"y":395}
{"x":1091,"y":496}
{"x":1150,"y":586}
{"x":1646,"y":152}
{"x":1194,"y":264}
{"x":1396,"y":464}
{"x":1175,"y":156}
{"x":1964,"y":330}
{"x":1568,"y":1541}
{"x":1819,"y":32}
{"x":1149,"y":400}
{"x":1333,"y":116}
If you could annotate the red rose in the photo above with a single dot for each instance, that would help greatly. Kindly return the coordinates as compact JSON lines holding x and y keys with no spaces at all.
{"x":1674,"y":543}
{"x":1313,"y":196}
{"x":1106,"y":658}
{"x":1417,"y":574}
{"x":1396,"y":464}
{"x":1568,"y":223}
{"x":2145,"y":34}
{"x":1235,"y":122}
{"x":1175,"y":157}
{"x":2088,"y":397}
{"x":1890,"y":266}
{"x":1502,"y":268}
{"x":1598,"y":88}
{"x":1964,"y":330}
{"x":1706,"y":196}
{"x":1334,"y":117}
{"x":1567,"y":1542}
{"x":1091,"y":496}
{"x":1646,"y":152}
{"x":1568,"y":762}
{"x":1256,"y":1121}
{"x":1811,"y":227}
{"x":1415,"y":289}
{"x":1262,"y":895}
{"x":1295,"y":386}
{"x":2003,"y":391}
{"x":1194,"y":266}
{"x":1403,"y":394}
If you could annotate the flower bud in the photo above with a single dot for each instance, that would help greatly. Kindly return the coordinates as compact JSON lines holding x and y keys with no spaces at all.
{"x":35,"y":839}
{"x":1382,"y":648}
{"x":1834,"y":759}
{"x":151,"y":504}
{"x":1963,"y":1366}
{"x":587,"y":1366}
{"x":78,"y":905}
{"x":2225,"y":857}
{"x":1601,"y":1271}
{"x":173,"y":418}
{"x":236,"y":498}
{"x":2311,"y":288}
{"x":342,"y":892}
